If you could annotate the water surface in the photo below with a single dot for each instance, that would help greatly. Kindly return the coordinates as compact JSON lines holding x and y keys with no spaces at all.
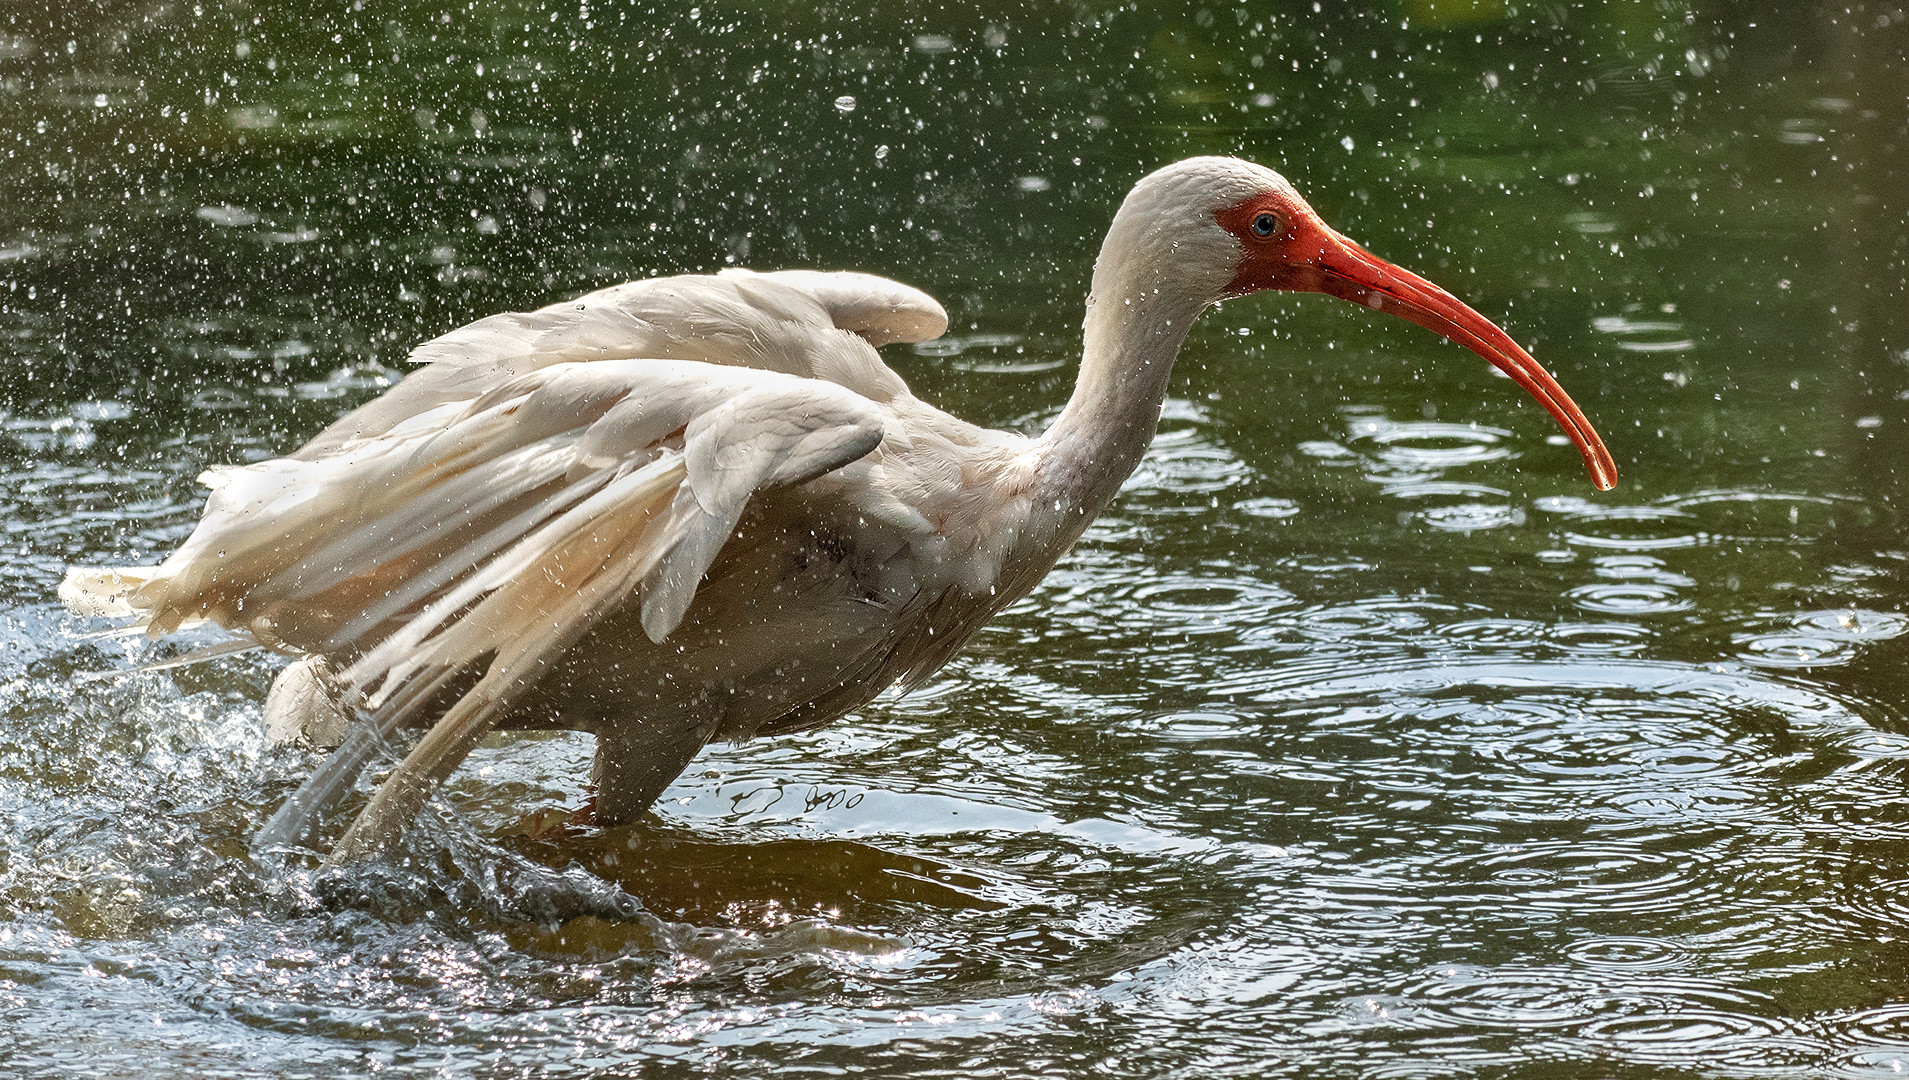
{"x":1361,"y":738}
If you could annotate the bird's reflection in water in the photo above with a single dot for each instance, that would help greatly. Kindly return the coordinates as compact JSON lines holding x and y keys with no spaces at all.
{"x":679,"y":874}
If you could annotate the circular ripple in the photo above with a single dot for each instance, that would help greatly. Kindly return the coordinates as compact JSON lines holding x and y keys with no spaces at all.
{"x":1328,"y":451}
{"x":1008,"y":367}
{"x":1686,"y":1027}
{"x":1194,"y":726}
{"x":1377,"y":618}
{"x":1211,"y":596}
{"x":1521,"y":999}
{"x":1629,"y":598}
{"x":1819,"y":638}
{"x":1271,"y":508}
{"x":1567,"y":875}
{"x":1579,"y":508}
{"x":1428,"y":445}
{"x":1472,"y":517}
{"x":1637,"y":568}
{"x":1653,"y":1014}
{"x":1694,"y":1037}
{"x":1686,"y":759}
{"x":1713,"y":802}
{"x":1633,"y":541}
{"x":1627,"y":953}
{"x":1493,"y":631}
{"x":993,"y":354}
{"x":1613,"y":637}
{"x":1183,"y":463}
{"x":1622,"y":528}
{"x":1418,"y":489}
{"x":1792,"y":651}
{"x":1370,"y":920}
{"x":1517,"y":876}
{"x":1788,"y":517}
{"x":1854,"y":624}
{"x":1585,"y":712}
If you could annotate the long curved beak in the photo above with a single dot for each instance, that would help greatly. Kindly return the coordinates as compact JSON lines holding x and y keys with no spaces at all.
{"x":1339,"y":267}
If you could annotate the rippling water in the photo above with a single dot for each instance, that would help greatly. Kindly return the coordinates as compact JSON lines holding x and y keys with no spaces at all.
{"x":1361,"y":738}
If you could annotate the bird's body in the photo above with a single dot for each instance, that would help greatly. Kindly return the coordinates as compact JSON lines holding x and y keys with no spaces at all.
{"x":701,"y":508}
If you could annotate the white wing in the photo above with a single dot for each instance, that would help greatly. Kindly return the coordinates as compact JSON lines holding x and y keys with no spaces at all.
{"x":491,"y":538}
{"x":800,"y":322}
{"x":540,"y":471}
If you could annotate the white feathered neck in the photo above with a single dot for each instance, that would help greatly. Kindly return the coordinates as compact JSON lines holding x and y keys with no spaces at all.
{"x":1165,"y":260}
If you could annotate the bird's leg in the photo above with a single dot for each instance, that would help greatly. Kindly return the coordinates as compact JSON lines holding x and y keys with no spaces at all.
{"x":636,"y":761}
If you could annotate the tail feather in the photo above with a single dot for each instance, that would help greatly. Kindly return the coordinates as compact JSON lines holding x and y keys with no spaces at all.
{"x":104,"y":592}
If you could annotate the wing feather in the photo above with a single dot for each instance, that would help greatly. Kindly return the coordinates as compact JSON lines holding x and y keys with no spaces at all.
{"x":815,"y":324}
{"x":538,"y":471}
{"x":632,"y":505}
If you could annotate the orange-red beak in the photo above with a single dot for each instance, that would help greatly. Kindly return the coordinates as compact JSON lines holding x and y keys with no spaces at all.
{"x":1306,"y":254}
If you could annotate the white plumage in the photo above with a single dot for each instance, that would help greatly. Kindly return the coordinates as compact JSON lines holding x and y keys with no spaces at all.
{"x":687,"y":509}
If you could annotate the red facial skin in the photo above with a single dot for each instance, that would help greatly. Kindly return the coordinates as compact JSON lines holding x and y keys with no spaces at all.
{"x":1304,"y":254}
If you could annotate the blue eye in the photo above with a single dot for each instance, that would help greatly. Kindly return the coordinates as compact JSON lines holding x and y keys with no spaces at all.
{"x":1265,"y":225}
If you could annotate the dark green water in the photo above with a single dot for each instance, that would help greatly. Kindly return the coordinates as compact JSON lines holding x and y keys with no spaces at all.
{"x":1362,"y":739}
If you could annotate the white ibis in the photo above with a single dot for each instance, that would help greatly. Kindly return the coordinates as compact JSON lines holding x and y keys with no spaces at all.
{"x":699,"y":508}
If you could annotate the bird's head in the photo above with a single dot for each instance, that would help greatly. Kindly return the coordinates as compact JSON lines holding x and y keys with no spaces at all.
{"x":1230,"y":227}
